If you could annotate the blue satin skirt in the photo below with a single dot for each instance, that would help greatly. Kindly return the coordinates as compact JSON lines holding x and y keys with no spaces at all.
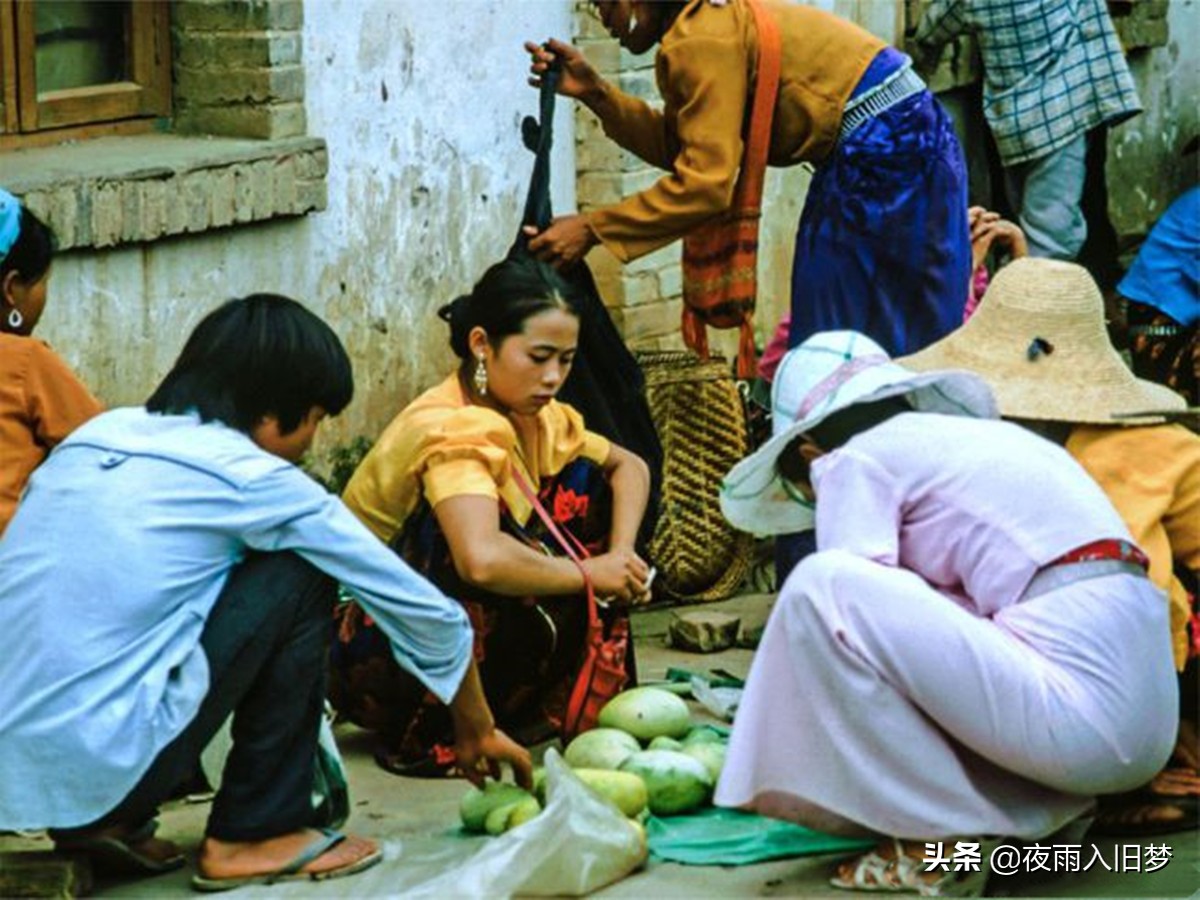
{"x":883,"y":245}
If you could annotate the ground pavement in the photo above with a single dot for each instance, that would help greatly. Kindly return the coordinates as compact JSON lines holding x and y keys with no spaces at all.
{"x":412,"y":813}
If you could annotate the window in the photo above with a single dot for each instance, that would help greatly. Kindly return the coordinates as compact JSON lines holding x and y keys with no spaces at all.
{"x":82,"y":66}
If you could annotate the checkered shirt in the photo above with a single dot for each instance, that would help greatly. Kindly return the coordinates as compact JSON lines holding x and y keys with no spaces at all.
{"x":1053,"y":69}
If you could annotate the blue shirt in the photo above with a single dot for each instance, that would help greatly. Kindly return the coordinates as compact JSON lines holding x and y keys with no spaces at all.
{"x":1166,"y":272}
{"x":1053,"y":69}
{"x":118,"y":552}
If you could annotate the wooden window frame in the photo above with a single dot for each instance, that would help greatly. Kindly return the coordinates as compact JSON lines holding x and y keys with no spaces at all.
{"x":28,"y":118}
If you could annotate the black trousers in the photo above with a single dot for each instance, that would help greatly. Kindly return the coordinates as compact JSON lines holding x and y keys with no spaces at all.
{"x":267,"y":643}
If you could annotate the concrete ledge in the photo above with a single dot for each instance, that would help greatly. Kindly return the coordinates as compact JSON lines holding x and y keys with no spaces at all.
{"x":109,"y":191}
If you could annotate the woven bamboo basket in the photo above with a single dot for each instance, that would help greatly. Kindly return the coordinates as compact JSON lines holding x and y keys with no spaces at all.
{"x":701,"y":423}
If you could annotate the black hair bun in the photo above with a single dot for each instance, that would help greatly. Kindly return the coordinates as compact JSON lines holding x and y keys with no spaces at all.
{"x":454,"y":314}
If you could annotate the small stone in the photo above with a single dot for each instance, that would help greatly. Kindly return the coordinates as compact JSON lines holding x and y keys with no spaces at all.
{"x":44,"y":873}
{"x":750,"y":635}
{"x":703,"y":632}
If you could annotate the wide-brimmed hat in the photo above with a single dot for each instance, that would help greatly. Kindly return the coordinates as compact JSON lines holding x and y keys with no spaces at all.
{"x":1038,"y":338}
{"x":829,"y":372}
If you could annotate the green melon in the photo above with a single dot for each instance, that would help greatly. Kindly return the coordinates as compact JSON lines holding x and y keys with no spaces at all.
{"x":600,"y":748}
{"x":711,"y":755}
{"x":676,"y":783}
{"x":662,"y":742}
{"x":625,"y":790}
{"x":647,"y":713}
{"x":477,"y":805}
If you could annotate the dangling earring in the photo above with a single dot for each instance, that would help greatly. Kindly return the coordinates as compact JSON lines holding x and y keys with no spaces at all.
{"x":16,"y":320}
{"x":480,"y":377}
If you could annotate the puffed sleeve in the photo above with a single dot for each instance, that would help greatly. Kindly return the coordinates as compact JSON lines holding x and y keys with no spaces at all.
{"x":58,"y":401}
{"x":467,"y":452}
{"x":568,"y":439}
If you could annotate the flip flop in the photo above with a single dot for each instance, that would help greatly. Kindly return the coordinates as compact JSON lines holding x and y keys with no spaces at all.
{"x":1133,"y":815}
{"x":117,"y":854}
{"x":291,"y":871}
{"x":876,"y":873}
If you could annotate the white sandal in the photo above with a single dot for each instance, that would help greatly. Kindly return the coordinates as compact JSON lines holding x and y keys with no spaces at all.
{"x":903,"y":874}
{"x":873,"y":872}
{"x":953,"y":883}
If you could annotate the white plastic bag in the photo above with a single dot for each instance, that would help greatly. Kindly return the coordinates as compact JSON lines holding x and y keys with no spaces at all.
{"x":576,"y":845}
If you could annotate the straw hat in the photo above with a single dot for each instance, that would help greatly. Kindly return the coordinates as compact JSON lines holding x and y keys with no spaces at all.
{"x":828,"y":372}
{"x":1038,"y":337}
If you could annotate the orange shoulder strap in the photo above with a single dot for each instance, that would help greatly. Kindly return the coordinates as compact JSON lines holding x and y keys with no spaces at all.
{"x":766,"y":88}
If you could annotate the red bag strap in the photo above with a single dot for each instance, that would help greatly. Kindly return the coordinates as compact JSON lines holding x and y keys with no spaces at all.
{"x":766,"y":88}
{"x":570,"y":545}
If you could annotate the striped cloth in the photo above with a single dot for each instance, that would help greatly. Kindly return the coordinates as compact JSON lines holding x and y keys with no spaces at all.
{"x":1053,"y":69}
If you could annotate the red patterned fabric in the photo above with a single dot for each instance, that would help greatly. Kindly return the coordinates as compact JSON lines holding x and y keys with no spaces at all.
{"x":1109,"y":549}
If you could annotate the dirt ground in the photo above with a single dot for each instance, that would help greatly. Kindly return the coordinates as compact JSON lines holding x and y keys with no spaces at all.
{"x":411,"y":817}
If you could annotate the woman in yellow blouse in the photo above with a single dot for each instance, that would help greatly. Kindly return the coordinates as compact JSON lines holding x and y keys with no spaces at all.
{"x":882,"y":245}
{"x":442,"y":487}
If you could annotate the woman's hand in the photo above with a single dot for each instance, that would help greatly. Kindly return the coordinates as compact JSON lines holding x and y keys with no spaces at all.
{"x":479,"y":746}
{"x":565,"y":242}
{"x":577,"y":78}
{"x":480,"y":755}
{"x":621,"y":574}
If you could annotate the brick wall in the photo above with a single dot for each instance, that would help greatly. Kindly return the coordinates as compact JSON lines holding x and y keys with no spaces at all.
{"x":238,"y":67}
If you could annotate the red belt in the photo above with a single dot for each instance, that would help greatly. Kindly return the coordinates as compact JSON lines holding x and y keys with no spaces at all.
{"x":1107,"y":549}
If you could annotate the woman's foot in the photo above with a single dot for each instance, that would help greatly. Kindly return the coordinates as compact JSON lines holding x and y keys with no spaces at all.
{"x":238,"y":860}
{"x":901,"y":867}
{"x":123,"y":849}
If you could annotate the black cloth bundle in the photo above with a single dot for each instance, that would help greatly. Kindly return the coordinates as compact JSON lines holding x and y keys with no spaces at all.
{"x":606,"y":383}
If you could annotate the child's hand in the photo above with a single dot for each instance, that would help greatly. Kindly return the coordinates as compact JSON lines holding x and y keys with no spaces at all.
{"x":1009,"y":235}
{"x":979,"y":219}
{"x":988,"y":230}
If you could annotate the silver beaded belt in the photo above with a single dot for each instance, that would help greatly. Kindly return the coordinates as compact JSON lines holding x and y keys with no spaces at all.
{"x":1051,"y":578}
{"x":900,"y":85}
{"x":1156,"y":330}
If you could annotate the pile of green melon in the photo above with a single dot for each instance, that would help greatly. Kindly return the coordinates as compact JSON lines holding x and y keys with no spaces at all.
{"x":645,"y":758}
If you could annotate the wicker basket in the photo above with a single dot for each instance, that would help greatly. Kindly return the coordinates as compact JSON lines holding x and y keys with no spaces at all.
{"x":701,"y":423}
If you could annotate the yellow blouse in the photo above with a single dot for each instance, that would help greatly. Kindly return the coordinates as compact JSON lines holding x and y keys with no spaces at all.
{"x":705,"y":69}
{"x":1152,"y":476}
{"x":441,"y":446}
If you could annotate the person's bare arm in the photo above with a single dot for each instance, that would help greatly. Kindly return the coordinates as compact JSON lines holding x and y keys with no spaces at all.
{"x":629,"y":477}
{"x":479,"y":746}
{"x":490,"y":559}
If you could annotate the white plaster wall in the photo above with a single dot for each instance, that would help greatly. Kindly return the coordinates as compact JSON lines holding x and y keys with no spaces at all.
{"x":420,"y":104}
{"x":1146,"y":169}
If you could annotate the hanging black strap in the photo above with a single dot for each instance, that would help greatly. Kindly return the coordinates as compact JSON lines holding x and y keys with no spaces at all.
{"x":538,"y":137}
